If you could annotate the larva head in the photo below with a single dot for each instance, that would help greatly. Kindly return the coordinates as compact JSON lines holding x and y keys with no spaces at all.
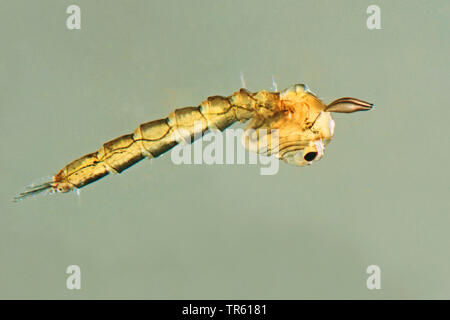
{"x":310,"y":145}
{"x":312,"y":126}
{"x":306,"y":128}
{"x":300,"y":95}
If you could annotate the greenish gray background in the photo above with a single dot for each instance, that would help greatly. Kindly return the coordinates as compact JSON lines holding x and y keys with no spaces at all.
{"x":161,"y":231}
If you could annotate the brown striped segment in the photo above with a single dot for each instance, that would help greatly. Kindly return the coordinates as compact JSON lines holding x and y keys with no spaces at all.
{"x":120,"y":153}
{"x":155,"y":137}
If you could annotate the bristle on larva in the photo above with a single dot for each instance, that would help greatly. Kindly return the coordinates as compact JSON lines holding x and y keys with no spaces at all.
{"x":35,"y":189}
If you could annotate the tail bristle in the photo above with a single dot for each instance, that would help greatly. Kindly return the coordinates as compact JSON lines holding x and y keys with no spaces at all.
{"x":34,"y":190}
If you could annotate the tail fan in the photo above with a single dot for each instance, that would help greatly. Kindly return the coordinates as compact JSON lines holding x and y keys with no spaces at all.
{"x":35,"y":189}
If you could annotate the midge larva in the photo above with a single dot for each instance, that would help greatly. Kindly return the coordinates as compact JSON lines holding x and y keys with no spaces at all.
{"x":302,"y":121}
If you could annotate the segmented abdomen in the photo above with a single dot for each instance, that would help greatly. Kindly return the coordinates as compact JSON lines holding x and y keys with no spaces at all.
{"x":154,"y":138}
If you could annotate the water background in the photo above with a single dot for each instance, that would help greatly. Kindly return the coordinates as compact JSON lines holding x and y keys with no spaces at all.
{"x":159,"y":231}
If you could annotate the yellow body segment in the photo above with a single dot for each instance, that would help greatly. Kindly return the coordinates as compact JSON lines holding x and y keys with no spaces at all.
{"x":154,"y":138}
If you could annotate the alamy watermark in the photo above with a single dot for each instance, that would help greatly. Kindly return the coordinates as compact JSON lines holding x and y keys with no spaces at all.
{"x":74,"y":279}
{"x":224,"y":148}
{"x":374,"y":280}
{"x":374,"y":19}
{"x":73,"y":21}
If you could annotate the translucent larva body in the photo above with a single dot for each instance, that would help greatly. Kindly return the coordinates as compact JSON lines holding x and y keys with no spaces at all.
{"x":302,"y":121}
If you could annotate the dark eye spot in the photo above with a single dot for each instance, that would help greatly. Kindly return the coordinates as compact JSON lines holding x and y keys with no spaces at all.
{"x":310,"y":156}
